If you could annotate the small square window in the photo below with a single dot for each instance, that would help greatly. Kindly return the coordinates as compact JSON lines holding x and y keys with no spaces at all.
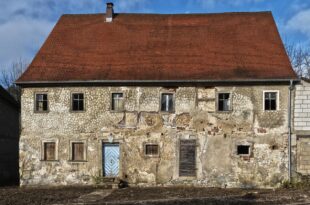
{"x":77,"y":102}
{"x":41,"y":103}
{"x":167,"y":104}
{"x":243,"y":150}
{"x":117,"y":102}
{"x":151,"y":150}
{"x":78,"y":151}
{"x":270,"y":100}
{"x":223,"y":101}
{"x":49,"y":151}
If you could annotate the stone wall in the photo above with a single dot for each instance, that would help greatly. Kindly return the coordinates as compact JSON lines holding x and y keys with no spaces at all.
{"x":195,"y":117}
{"x":9,"y":136}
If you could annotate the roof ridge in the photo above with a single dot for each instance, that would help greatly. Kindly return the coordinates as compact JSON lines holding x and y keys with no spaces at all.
{"x":176,"y":14}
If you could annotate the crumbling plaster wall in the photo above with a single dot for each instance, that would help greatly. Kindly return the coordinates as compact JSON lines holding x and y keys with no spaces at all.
{"x":195,"y":117}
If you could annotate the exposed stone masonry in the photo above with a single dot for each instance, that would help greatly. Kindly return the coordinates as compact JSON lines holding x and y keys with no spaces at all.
{"x":195,"y":117}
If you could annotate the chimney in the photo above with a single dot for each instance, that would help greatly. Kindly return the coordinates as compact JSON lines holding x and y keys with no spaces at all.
{"x":109,"y":13}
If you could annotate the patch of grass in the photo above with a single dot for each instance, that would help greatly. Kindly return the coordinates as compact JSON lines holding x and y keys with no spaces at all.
{"x":303,"y":184}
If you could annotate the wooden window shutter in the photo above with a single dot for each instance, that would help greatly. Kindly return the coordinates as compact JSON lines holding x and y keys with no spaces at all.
{"x":49,"y":151}
{"x":187,"y":161}
{"x":78,"y":151}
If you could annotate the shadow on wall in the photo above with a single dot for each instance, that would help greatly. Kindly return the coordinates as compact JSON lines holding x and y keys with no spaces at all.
{"x":9,"y":157}
{"x":9,"y":139}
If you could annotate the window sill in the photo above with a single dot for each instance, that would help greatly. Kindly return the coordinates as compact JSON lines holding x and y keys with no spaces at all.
{"x":166,"y":112}
{"x":151,"y":156}
{"x":77,"y":161}
{"x":42,"y":160}
{"x":117,"y":111}
{"x":271,"y":110}
{"x":40,"y":112}
{"x":224,"y":112}
{"x":77,"y":111}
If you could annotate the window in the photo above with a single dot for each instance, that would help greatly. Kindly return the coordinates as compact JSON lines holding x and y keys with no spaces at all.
{"x":78,"y":151}
{"x":223,"y":101}
{"x":167,"y":102}
{"x":243,"y":150}
{"x":151,"y":150}
{"x":49,"y":151}
{"x":41,"y":104}
{"x":117,"y":102}
{"x":270,"y":100}
{"x":77,"y":102}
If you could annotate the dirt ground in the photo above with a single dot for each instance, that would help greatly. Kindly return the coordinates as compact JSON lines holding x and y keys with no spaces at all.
{"x":36,"y":196}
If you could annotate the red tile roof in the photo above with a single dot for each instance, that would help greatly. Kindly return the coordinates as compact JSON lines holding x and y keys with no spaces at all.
{"x":227,"y":46}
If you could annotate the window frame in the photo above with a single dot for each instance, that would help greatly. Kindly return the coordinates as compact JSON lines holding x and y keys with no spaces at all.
{"x":35,"y":102}
{"x":43,"y":142}
{"x":71,"y":102}
{"x":111,"y":102}
{"x":173,"y":102}
{"x":84,"y":151}
{"x":250,"y":145}
{"x":218,"y":99}
{"x":151,"y":155}
{"x":277,"y":100}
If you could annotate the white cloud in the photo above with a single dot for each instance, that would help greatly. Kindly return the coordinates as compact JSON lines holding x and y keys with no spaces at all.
{"x":213,"y":3}
{"x":300,"y":22}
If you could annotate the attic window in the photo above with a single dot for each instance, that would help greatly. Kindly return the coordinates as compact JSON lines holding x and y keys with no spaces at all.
{"x":223,"y":101}
{"x":41,"y":102}
{"x":167,"y":104}
{"x":243,"y":150}
{"x":117,"y":102}
{"x":77,"y":102}
{"x":270,"y":101}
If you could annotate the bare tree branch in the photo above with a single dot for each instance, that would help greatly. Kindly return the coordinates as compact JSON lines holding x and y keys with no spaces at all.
{"x":300,"y":59}
{"x":9,"y":75}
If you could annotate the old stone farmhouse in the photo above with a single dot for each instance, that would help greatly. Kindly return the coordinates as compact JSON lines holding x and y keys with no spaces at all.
{"x":200,"y":99}
{"x":9,"y":137}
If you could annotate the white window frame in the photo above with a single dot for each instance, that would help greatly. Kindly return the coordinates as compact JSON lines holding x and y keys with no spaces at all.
{"x":167,"y":102}
{"x":112,"y":101}
{"x":277,"y":100}
{"x":151,"y":155}
{"x":218,"y":99}
{"x":244,"y":155}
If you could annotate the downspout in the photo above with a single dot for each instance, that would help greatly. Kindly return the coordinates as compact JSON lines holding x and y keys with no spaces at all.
{"x":290,"y":130}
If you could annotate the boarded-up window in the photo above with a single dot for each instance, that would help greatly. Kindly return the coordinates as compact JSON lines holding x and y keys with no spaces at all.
{"x":49,"y":151}
{"x":78,"y":151}
{"x":151,"y":149}
{"x":77,"y":102}
{"x":117,"y":102}
{"x":41,"y":103}
{"x":187,"y":161}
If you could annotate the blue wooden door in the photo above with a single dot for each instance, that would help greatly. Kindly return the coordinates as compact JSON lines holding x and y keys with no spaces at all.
{"x":110,"y":160}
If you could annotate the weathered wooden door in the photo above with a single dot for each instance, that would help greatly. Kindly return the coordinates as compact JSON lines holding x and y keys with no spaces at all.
{"x":187,"y":159}
{"x":110,"y":160}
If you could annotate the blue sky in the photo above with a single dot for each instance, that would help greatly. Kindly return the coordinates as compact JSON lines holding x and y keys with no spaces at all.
{"x":25,"y":24}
